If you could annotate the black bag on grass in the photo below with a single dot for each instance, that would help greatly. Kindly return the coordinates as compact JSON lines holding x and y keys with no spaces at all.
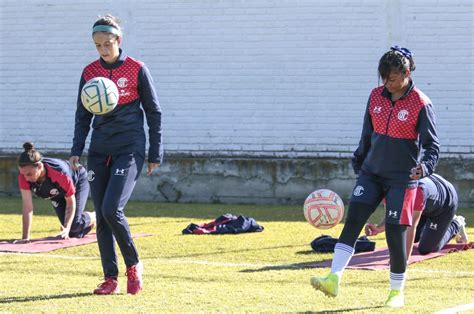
{"x":326,"y":244}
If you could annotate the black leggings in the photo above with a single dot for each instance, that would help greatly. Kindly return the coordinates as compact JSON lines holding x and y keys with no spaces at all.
{"x":357,"y":217}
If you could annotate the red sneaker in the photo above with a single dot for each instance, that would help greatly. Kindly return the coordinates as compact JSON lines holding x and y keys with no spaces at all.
{"x":109,"y":286}
{"x":134,"y":278}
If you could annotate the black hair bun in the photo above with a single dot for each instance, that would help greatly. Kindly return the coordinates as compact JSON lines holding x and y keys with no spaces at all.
{"x":28,"y":146}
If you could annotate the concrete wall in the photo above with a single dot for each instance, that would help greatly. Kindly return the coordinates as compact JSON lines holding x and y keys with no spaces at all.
{"x":258,"y":181}
{"x":271,"y":181}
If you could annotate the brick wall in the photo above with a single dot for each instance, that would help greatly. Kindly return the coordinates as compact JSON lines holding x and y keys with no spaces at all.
{"x":254,"y":78}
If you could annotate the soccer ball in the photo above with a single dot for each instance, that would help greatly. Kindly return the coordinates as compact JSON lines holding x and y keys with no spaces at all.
{"x":323,"y":209}
{"x":99,"y":95}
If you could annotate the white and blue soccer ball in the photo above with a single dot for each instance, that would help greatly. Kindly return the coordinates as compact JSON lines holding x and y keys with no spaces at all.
{"x":99,"y":95}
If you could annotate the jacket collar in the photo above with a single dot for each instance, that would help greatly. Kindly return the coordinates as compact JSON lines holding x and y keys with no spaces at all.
{"x":387,"y":94}
{"x":120,"y":60}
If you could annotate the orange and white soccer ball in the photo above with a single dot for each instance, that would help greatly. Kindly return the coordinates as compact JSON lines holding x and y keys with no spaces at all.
{"x":99,"y":95}
{"x":323,"y":209}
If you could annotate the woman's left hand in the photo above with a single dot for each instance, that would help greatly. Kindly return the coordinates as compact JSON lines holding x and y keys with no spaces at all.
{"x":152,"y":166}
{"x":64,"y":232}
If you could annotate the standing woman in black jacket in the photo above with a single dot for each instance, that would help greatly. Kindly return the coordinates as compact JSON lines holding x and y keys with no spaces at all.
{"x":117,"y":149}
{"x":399,"y":121}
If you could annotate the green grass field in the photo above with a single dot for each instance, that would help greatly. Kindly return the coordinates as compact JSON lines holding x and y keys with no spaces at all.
{"x":255,"y":272}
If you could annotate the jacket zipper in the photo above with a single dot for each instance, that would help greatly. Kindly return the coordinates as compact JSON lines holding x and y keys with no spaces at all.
{"x":389,"y":116}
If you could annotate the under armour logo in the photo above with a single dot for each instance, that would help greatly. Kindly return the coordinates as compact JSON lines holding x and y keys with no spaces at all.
{"x":433,"y":226}
{"x":402,"y":115}
{"x":120,"y":172}
{"x":55,"y":204}
{"x":359,"y":190}
{"x":377,"y":109}
{"x":392,"y":214}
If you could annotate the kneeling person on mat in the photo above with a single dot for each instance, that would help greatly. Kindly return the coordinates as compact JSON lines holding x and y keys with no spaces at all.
{"x":434,"y":219}
{"x":53,"y":179}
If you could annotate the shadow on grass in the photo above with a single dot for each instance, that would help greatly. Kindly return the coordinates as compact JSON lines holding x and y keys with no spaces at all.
{"x":215,"y":253}
{"x":200,"y":212}
{"x":43,"y":297}
{"x":287,"y":266}
{"x":365,"y":309}
{"x":310,"y":252}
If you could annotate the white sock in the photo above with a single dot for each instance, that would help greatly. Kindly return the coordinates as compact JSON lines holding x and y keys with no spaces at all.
{"x":342,"y":255}
{"x":397,"y":281}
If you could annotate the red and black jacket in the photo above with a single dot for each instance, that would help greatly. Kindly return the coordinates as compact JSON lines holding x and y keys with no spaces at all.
{"x":121,"y":131}
{"x":394,"y":133}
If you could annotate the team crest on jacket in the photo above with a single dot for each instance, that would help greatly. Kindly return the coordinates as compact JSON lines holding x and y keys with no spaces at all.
{"x":402,"y":115}
{"x":53,"y":192}
{"x":122,"y":82}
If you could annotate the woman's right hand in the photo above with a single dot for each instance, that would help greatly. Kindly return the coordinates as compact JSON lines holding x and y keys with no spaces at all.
{"x":371,"y":230}
{"x":74,"y":162}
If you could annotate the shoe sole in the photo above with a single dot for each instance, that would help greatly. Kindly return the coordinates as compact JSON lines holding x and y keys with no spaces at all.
{"x":317,"y":286}
{"x":395,"y":306}
{"x":112,"y":293}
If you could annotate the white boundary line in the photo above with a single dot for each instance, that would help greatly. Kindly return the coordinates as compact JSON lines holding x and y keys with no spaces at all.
{"x":457,"y":309}
{"x":51,"y":256}
{"x":222,"y":264}
{"x":219,"y":264}
{"x":446,"y":272}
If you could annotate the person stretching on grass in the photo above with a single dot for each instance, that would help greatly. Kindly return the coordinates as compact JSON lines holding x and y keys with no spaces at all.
{"x":398,"y":122}
{"x":53,"y":179}
{"x":434,"y":219}
{"x":117,"y":149}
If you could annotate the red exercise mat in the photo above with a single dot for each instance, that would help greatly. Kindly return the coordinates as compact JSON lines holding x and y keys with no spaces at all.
{"x":379,"y":259}
{"x":51,"y":243}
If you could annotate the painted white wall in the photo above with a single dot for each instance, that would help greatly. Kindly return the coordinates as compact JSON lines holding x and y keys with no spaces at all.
{"x":249,"y":77}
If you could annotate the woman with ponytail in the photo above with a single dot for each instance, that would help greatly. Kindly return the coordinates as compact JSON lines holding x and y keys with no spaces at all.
{"x":53,"y":179}
{"x":399,"y":121}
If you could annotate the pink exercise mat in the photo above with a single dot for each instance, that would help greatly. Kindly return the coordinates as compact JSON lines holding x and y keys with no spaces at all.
{"x":52,"y":243}
{"x":379,"y":259}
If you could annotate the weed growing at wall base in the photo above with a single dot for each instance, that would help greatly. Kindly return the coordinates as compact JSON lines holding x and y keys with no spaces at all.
{"x":258,"y":272}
